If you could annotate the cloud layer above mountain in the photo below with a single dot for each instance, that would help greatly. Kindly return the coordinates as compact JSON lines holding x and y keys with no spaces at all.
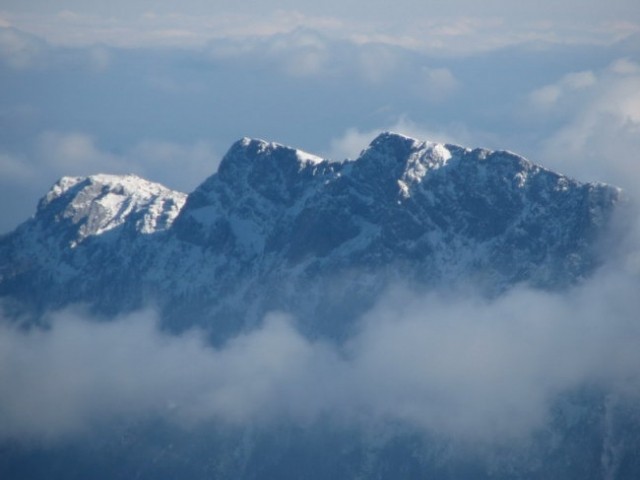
{"x":459,"y":25}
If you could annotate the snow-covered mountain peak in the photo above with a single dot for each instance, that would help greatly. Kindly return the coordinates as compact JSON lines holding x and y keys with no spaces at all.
{"x":99,"y":203}
{"x":59,"y":188}
{"x":399,"y":148}
{"x":262,"y":147}
{"x":121,"y":184}
{"x":253,"y":161}
{"x":258,"y":172}
{"x":257,"y":181}
{"x":257,"y":150}
{"x":395,"y":163}
{"x":392,"y":144}
{"x":406,"y":150}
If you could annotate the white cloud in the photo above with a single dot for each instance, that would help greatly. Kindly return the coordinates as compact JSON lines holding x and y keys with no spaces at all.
{"x":459,"y":26}
{"x":166,"y":29}
{"x":548,"y":96}
{"x":302,"y":53}
{"x":23,"y":51}
{"x":20,"y":50}
{"x":99,"y":58}
{"x":579,"y":79}
{"x":377,"y":62}
{"x":600,"y":127}
{"x":437,"y":84}
{"x":73,"y":153}
{"x":66,"y":379}
{"x":298,"y":53}
{"x":350,"y":144}
{"x":457,"y":366}
{"x":624,"y":66}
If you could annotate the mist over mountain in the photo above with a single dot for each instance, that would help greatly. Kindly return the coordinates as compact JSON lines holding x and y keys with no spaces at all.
{"x":422,"y":310}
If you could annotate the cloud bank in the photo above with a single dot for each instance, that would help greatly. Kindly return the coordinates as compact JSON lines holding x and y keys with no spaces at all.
{"x":459,"y":367}
{"x":458,"y":26}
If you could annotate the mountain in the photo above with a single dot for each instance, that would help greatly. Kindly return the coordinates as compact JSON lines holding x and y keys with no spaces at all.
{"x":84,"y":235}
{"x":279,"y":229}
{"x":276,"y":228}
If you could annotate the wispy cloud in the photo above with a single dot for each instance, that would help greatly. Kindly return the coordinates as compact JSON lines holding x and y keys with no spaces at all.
{"x":351,"y":142}
{"x":20,"y":50}
{"x":599,"y":123}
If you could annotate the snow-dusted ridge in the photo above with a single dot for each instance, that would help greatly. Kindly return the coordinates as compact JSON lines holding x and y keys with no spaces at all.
{"x":100,"y":203}
{"x":278,"y":228}
{"x":264,"y":146}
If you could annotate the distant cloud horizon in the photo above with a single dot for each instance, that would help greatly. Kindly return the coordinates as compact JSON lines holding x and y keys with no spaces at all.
{"x":460,"y":25}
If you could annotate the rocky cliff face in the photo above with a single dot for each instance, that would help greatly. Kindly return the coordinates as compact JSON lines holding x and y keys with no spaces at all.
{"x":277,"y":228}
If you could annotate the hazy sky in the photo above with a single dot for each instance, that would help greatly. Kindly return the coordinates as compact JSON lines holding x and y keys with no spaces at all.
{"x":162,"y":90}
